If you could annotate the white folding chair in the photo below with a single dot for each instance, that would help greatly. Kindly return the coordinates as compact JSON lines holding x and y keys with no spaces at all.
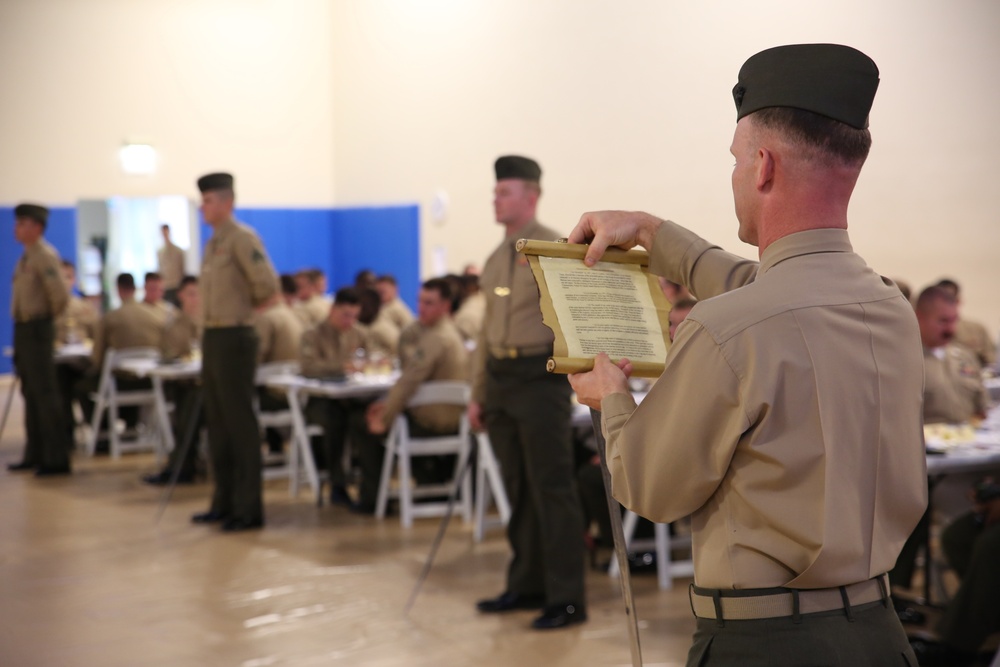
{"x":401,"y":447}
{"x":489,"y":486}
{"x":109,"y":399}
{"x":666,"y":569}
{"x":295,"y":468}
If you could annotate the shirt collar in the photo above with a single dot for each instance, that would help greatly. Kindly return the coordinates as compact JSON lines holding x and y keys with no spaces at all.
{"x":804,"y":243}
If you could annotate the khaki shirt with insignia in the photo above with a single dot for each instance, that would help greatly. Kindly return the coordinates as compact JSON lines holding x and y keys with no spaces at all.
{"x":236,"y":275}
{"x":38,"y":290}
{"x":326,"y":351}
{"x":469,"y":318}
{"x":131,"y":325}
{"x":83,"y":318}
{"x":180,"y":336}
{"x":427,"y":354}
{"x":787,"y":422}
{"x":280,"y":334}
{"x":513,"y":317}
{"x":974,"y":336}
{"x":953,"y":386}
{"x":313,"y":311}
{"x":397,"y":313}
{"x":170,"y":262}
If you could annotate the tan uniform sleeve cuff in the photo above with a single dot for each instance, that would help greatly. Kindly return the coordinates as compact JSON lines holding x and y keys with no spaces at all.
{"x":615,"y":410}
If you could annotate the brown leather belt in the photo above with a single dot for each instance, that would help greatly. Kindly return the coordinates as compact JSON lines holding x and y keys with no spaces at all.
{"x":736,"y":605}
{"x":498,"y":352}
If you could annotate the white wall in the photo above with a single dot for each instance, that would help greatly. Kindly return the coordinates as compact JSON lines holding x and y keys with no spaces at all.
{"x":235,"y":85}
{"x":626,"y":105}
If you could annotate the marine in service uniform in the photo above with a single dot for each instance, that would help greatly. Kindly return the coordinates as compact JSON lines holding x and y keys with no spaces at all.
{"x":791,"y":394}
{"x":431,"y":349}
{"x":527,"y":411}
{"x":170,"y":266}
{"x":280,"y":333}
{"x":236,"y":277}
{"x":182,"y":340}
{"x":77,"y":324}
{"x":969,"y":333}
{"x":329,"y":351}
{"x":38,"y":297}
{"x":393,"y":309}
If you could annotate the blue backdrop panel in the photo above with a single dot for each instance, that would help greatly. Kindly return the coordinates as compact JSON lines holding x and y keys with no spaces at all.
{"x":341,"y":242}
{"x":61,"y":233}
{"x":385,"y":240}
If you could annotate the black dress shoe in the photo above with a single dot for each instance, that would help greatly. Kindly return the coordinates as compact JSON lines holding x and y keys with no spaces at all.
{"x":508,"y":601}
{"x":559,"y":616}
{"x":339,"y":496}
{"x":163,"y":478}
{"x":210,"y":516}
{"x":236,"y":524}
{"x":52,"y":471}
{"x":23,"y":465}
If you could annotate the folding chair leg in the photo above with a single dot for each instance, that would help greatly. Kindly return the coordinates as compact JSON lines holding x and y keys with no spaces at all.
{"x":663,"y":575}
{"x":383,"y":486}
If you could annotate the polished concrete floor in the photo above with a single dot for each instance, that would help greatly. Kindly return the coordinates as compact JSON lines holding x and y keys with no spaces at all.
{"x":89,"y":578}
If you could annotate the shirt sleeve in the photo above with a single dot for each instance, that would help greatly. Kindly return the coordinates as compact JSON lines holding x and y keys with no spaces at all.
{"x":256,"y":267}
{"x":419,"y":370}
{"x":55,"y":288}
{"x":668,"y":455}
{"x":265,"y":335}
{"x":683,"y":257}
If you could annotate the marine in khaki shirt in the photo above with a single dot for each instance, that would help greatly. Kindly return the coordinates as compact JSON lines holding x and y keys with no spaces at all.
{"x":128,"y":326}
{"x":527,"y":414}
{"x":330,"y":349}
{"x":236,"y":276}
{"x":953,"y":385}
{"x":79,"y":322}
{"x":280,"y":333}
{"x":182,"y":332}
{"x":430,"y":349}
{"x":38,"y":296}
{"x":787,"y":421}
{"x":38,"y":288}
{"x":393,"y":310}
{"x":170,"y":262}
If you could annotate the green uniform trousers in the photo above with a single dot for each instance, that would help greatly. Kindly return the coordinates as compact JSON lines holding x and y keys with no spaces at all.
{"x":527,"y":413}
{"x":974,"y":613}
{"x":229,"y":362}
{"x":49,"y":441}
{"x":871,"y":636}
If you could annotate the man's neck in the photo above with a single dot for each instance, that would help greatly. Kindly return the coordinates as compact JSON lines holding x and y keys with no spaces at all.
{"x":513,"y":228}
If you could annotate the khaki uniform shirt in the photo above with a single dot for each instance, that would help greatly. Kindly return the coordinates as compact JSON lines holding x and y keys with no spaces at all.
{"x":383,"y":336}
{"x":469,"y":318}
{"x":953,"y":386}
{"x":170,"y":260}
{"x":38,"y":290}
{"x":313,"y":311}
{"x":236,"y":275}
{"x":427,"y":354}
{"x":280,"y":334}
{"x":787,"y":421}
{"x":82,"y":317}
{"x":131,"y":325}
{"x":974,"y":336}
{"x":513,"y":318}
{"x":326,"y":350}
{"x":397,"y":313}
{"x":180,"y":336}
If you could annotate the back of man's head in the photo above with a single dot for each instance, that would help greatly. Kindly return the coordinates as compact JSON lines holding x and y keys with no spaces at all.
{"x":125,"y":282}
{"x":346,"y":296}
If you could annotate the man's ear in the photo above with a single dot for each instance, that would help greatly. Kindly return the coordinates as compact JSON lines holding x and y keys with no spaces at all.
{"x":765,"y":169}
